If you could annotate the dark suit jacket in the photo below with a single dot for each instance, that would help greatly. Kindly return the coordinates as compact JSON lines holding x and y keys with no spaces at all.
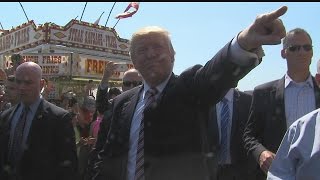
{"x":241,"y":106}
{"x":267,"y":120}
{"x":51,"y":152}
{"x":172,"y":143}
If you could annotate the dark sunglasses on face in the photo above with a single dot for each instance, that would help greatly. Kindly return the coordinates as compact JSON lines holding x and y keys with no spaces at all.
{"x":133,"y":83}
{"x":306,"y":47}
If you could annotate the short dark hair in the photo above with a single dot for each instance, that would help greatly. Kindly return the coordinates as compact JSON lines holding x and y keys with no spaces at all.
{"x":292,"y":32}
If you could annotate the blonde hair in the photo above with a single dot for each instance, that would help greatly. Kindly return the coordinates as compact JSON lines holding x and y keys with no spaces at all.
{"x":149,"y":30}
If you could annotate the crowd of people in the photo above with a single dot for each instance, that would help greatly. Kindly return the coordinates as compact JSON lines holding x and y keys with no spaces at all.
{"x":196,"y":125}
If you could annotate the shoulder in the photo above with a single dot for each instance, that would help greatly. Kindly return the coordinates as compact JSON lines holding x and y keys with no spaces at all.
{"x":4,"y":115}
{"x":191,"y":70}
{"x":243,"y":94}
{"x":53,"y":109}
{"x":309,"y":119}
{"x":266,"y":86}
{"x":304,"y":133}
{"x":127,"y":95}
{"x":6,"y":112}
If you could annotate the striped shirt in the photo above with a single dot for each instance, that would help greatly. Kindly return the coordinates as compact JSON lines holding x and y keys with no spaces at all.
{"x":299,"y":98}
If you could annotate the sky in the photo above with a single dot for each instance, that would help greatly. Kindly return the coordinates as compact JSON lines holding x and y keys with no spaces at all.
{"x":198,"y":29}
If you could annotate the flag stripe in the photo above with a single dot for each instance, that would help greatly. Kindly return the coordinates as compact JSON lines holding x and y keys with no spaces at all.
{"x":128,"y":13}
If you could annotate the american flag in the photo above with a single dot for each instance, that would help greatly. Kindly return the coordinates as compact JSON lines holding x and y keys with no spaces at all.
{"x":128,"y":13}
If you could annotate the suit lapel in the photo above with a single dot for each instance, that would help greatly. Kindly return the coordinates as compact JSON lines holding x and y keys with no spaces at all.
{"x":40,"y":113}
{"x":121,"y":120}
{"x":213,"y":129}
{"x":280,"y":104}
{"x":235,"y":114}
{"x":129,"y":109}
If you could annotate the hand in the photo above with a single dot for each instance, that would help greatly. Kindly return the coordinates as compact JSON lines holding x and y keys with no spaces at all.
{"x":91,"y":140}
{"x":267,"y":29}
{"x":265,"y":160}
{"x":82,"y":141}
{"x":108,"y":71}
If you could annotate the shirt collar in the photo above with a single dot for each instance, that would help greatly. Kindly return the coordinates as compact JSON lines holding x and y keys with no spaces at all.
{"x":33,"y":107}
{"x":229,"y":95}
{"x":160,"y":87}
{"x":288,"y":81}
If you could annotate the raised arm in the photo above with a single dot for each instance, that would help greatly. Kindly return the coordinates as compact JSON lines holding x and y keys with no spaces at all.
{"x":267,"y":29}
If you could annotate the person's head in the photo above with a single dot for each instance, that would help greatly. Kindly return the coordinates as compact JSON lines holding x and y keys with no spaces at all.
{"x":152,"y":54}
{"x":29,"y":82}
{"x":89,"y":104}
{"x":16,"y":60}
{"x":297,"y":49}
{"x":88,"y":107}
{"x":113,"y":92}
{"x":68,"y":100}
{"x":11,"y":91}
{"x":131,"y":78}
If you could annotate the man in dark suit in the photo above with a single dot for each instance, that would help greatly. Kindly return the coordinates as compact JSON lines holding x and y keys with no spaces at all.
{"x":160,"y":117}
{"x":235,"y":165}
{"x":47,"y":147}
{"x":277,"y":104}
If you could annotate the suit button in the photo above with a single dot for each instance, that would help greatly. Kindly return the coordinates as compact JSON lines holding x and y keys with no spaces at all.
{"x":148,"y":124}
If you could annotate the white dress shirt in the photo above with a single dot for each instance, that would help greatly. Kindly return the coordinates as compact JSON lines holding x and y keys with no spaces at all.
{"x":298,"y":157}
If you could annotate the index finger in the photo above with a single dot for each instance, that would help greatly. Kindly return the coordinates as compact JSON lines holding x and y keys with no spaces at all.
{"x":275,"y":14}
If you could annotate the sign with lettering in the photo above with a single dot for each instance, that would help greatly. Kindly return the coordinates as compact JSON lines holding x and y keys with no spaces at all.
{"x":93,"y":67}
{"x":53,"y":65}
{"x":85,"y":35}
{"x":22,"y":37}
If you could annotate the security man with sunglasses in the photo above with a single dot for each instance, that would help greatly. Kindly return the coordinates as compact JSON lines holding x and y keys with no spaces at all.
{"x":131,"y":78}
{"x":277,"y":104}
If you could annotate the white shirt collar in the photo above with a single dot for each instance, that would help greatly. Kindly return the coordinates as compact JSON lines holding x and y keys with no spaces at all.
{"x":229,"y":95}
{"x":160,"y":87}
{"x":288,"y":80}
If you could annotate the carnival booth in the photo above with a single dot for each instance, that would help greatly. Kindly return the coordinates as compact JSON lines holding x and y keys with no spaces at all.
{"x":70,"y":56}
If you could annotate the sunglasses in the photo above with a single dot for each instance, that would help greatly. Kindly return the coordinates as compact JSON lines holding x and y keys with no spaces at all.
{"x":306,"y":47}
{"x":131,"y":83}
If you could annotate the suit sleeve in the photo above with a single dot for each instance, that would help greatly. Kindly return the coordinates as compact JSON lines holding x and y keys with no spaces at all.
{"x":209,"y":83}
{"x":102,"y":99}
{"x":66,"y":149}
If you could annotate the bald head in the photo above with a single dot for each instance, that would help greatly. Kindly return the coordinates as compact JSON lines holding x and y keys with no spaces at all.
{"x":133,"y":76}
{"x":131,"y":72}
{"x":29,"y":82}
{"x":30,"y":66}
